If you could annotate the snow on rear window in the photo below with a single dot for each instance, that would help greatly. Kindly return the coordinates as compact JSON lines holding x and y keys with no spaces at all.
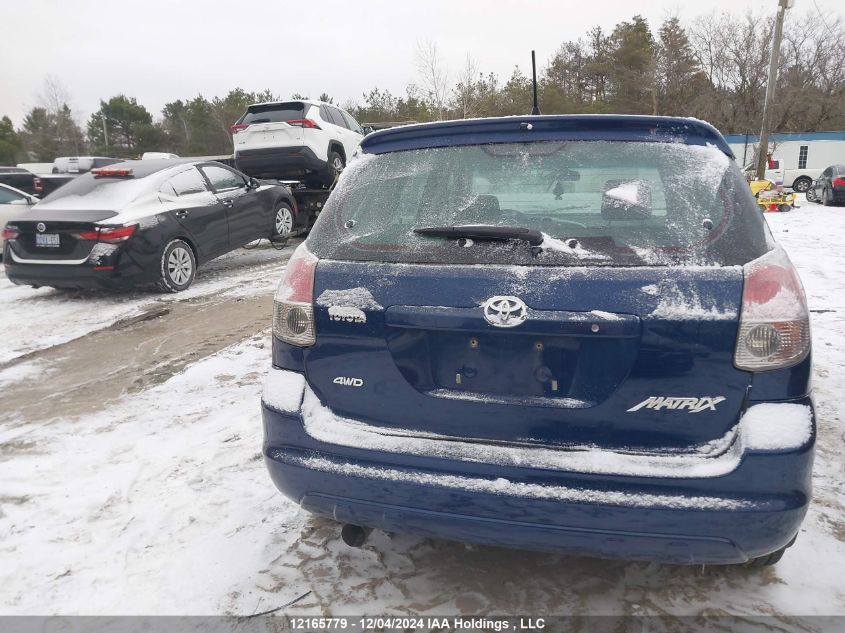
{"x":90,"y":193}
{"x":596,"y":202}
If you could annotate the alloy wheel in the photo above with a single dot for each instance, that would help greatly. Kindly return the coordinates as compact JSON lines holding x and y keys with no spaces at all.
{"x":179,"y":266}
{"x":284,"y":222}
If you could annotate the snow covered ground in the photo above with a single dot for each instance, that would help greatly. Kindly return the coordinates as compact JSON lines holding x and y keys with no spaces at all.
{"x":37,"y":319}
{"x":161,"y":504}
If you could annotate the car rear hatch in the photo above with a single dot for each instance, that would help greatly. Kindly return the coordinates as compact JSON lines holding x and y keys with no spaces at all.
{"x":618,"y":332}
{"x":412,"y":349}
{"x":271,"y":125}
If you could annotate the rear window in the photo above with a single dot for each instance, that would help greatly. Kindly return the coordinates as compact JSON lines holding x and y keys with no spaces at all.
{"x":596,"y":203}
{"x":273,"y":113}
{"x":97,"y":194}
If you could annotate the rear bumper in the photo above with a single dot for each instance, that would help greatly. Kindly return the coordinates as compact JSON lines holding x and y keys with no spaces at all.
{"x":279,"y":162}
{"x":125,"y":274}
{"x":753,"y":510}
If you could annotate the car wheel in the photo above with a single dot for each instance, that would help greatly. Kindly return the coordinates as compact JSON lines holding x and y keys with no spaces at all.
{"x":336,"y":165}
{"x":282,"y":223}
{"x":811,"y":195}
{"x":178,"y":267}
{"x":802,"y":184}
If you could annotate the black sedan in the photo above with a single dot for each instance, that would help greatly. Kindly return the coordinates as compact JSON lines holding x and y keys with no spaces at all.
{"x":149,"y":222}
{"x":829,"y":188}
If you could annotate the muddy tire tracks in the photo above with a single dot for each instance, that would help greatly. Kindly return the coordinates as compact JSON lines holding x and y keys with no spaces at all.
{"x":86,"y":374}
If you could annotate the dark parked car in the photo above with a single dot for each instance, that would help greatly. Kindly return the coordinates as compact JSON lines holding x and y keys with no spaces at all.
{"x":143,"y":222}
{"x":829,"y":188}
{"x":565,"y":333}
{"x":21,"y":179}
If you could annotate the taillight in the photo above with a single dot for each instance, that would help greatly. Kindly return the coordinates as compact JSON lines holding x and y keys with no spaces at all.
{"x":304,"y":123}
{"x":237,"y":127}
{"x":37,"y":185}
{"x":119,"y":234}
{"x":293,"y":305}
{"x":774,"y":325}
{"x":110,"y":235}
{"x":839,"y":182}
{"x":10,"y":232}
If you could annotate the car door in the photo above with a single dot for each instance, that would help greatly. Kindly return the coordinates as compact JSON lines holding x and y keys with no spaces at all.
{"x":334,"y":129}
{"x":351,"y":138}
{"x":247,"y":216}
{"x":822,"y":182}
{"x":198,"y":211}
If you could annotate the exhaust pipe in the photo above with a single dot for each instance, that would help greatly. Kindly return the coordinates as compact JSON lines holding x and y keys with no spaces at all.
{"x":354,"y":535}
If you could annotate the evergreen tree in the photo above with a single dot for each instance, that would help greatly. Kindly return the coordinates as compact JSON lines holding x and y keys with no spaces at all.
{"x":632,"y":70}
{"x":123,"y":128}
{"x":46,"y":135}
{"x":10,"y":142}
{"x":679,"y":76}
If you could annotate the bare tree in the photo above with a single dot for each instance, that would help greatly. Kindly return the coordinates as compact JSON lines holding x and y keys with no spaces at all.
{"x":733,"y":53}
{"x":434,"y":76}
{"x":56,"y":99}
{"x":467,"y":91}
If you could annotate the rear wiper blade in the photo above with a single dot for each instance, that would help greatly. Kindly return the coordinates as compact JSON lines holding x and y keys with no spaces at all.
{"x":484,"y":232}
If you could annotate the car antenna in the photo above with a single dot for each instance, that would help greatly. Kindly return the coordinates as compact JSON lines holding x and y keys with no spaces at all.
{"x":536,"y":108}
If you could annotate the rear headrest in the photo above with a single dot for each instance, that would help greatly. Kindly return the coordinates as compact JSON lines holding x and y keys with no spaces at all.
{"x":626,"y":200}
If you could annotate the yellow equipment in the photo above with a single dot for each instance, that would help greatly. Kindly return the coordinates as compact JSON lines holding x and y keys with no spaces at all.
{"x":772,"y":198}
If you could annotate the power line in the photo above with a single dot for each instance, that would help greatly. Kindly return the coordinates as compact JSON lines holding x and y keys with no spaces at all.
{"x":824,"y":21}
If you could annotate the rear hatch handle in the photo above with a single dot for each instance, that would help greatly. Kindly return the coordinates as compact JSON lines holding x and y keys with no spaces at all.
{"x":594,"y":324}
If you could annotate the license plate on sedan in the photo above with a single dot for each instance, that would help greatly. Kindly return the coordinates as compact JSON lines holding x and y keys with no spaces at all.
{"x":47,"y":240}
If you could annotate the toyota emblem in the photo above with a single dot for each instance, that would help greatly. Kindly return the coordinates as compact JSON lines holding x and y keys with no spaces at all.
{"x":505,"y":311}
{"x":41,"y":227}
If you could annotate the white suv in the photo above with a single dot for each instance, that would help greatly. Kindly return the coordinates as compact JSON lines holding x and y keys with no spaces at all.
{"x":304,"y":140}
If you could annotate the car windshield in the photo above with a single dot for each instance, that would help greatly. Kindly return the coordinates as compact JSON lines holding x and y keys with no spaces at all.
{"x":597,"y":203}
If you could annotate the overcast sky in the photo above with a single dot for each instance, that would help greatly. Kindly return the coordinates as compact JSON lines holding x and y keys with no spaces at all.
{"x":161,"y":50}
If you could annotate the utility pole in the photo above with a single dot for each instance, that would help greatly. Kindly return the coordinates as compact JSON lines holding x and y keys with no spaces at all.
{"x":105,"y":131}
{"x":763,"y":149}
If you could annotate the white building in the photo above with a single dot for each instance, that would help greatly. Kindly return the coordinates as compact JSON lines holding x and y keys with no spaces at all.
{"x":799,"y":157}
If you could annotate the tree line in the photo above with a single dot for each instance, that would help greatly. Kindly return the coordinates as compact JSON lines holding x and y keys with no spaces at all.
{"x":713,"y":68}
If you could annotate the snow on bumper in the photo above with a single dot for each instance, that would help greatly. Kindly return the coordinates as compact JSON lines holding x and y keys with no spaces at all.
{"x":768,"y":426}
{"x":736,"y":498}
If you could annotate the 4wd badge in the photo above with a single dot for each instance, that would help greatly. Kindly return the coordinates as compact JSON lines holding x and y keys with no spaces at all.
{"x":347,"y":381}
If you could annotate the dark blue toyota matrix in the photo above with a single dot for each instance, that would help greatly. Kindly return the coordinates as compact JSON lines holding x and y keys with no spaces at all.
{"x":566,"y":333}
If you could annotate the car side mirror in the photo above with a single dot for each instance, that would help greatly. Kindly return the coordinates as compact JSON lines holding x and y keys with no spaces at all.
{"x":626,"y":200}
{"x":252,"y":183}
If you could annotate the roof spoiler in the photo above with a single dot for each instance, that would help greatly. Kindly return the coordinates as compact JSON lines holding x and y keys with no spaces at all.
{"x":515,"y":129}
